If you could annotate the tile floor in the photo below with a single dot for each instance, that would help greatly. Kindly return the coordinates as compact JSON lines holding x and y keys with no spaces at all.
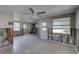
{"x":31,"y":44}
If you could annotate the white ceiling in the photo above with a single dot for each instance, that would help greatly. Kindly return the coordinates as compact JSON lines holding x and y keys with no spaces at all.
{"x":23,"y":10}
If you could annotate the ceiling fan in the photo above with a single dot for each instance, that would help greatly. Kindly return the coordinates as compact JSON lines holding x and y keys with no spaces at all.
{"x":36,"y":14}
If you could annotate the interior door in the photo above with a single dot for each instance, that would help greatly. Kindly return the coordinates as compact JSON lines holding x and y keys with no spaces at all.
{"x":9,"y":32}
{"x":43,"y":30}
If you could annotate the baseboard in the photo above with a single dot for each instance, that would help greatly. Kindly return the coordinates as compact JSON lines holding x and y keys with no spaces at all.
{"x":76,"y":50}
{"x":64,"y":44}
{"x":6,"y":46}
{"x":61,"y":43}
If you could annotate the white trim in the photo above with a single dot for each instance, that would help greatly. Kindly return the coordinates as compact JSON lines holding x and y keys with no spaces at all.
{"x":61,"y":43}
{"x":7,"y":46}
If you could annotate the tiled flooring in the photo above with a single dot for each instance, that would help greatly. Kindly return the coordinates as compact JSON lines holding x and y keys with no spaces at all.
{"x":30,"y":44}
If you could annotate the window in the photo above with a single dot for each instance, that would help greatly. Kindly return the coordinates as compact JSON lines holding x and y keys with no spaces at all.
{"x":61,"y":25}
{"x":25,"y":26}
{"x":44,"y":25}
{"x":16,"y":26}
{"x":44,"y":29}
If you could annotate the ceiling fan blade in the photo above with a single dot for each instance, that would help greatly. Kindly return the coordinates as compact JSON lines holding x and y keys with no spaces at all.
{"x":41,"y":12}
{"x":32,"y":10}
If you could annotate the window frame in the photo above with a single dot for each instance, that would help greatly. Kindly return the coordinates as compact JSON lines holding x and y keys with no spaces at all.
{"x":60,"y":17}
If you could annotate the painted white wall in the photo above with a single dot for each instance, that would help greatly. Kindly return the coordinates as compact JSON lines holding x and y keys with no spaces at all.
{"x":77,"y":19}
{"x":4,"y":19}
{"x":77,"y":28}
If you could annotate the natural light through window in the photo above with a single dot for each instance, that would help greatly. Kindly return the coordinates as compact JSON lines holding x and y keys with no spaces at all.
{"x":61,"y":25}
{"x":44,"y":25}
{"x":44,"y":29}
{"x":24,"y":26}
{"x":16,"y":26}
